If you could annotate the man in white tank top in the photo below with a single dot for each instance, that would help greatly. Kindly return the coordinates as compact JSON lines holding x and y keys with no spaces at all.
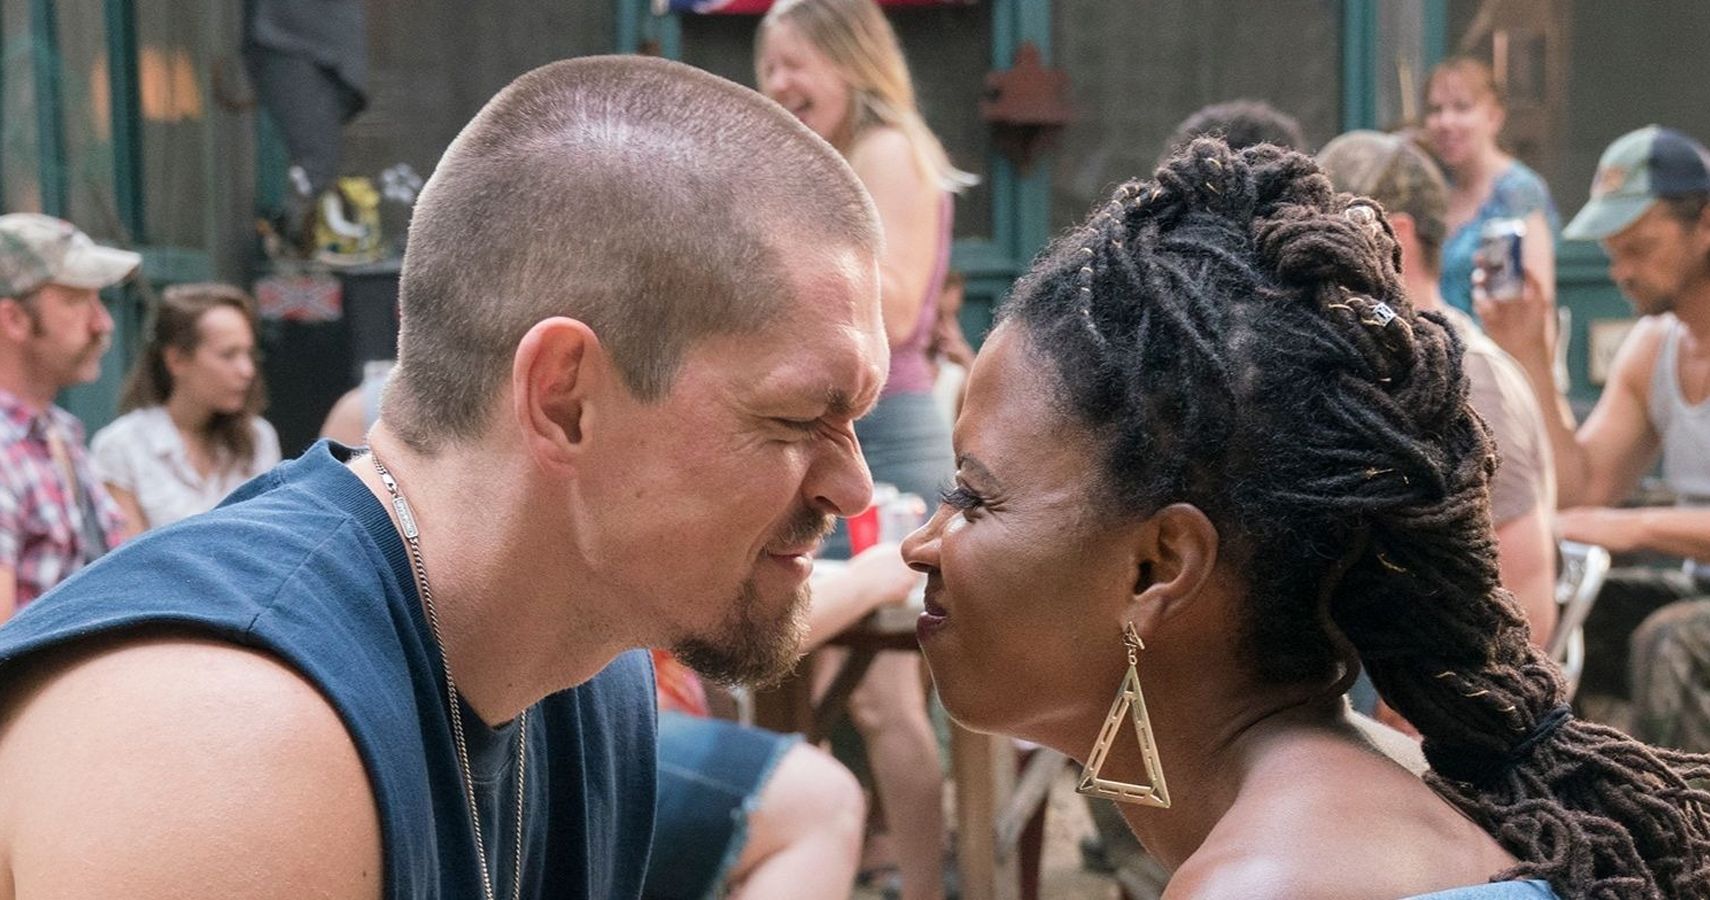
{"x":1650,"y":210}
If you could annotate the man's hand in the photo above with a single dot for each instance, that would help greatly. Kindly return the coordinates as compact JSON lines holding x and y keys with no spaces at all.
{"x":1525,"y":326}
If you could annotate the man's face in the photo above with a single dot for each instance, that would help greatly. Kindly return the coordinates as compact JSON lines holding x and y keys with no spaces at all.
{"x":718,"y":492}
{"x":69,"y":332}
{"x":1658,"y":258}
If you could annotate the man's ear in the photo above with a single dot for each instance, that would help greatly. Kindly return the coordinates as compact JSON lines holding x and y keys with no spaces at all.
{"x":1701,"y":229}
{"x":558,"y":364}
{"x":1175,"y":552}
{"x":1404,"y":227}
{"x":16,"y":323}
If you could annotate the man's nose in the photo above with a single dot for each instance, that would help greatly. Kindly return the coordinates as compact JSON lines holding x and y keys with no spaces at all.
{"x":103,"y":320}
{"x":839,"y":481}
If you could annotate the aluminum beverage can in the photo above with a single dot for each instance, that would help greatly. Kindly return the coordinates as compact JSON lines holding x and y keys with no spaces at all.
{"x":1499,"y":255}
{"x":901,"y":516}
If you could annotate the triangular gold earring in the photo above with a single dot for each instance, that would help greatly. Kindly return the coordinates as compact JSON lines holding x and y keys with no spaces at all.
{"x":1130,"y":705}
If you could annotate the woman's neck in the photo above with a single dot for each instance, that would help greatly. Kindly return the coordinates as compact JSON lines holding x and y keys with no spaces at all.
{"x":192,"y":420}
{"x":1479,"y":172}
{"x":1206,"y":767}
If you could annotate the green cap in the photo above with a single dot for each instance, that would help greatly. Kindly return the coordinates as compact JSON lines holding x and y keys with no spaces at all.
{"x":36,"y":250}
{"x":1637,"y":169}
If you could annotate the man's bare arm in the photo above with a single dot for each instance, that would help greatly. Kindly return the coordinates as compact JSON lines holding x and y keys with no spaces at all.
{"x":1672,"y":530}
{"x":185,"y":768}
{"x":1600,"y":462}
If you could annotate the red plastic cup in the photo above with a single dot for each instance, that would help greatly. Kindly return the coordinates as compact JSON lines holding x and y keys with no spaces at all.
{"x":864,"y":530}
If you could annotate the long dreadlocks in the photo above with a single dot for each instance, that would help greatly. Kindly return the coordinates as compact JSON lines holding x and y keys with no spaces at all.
{"x":1236,"y":333}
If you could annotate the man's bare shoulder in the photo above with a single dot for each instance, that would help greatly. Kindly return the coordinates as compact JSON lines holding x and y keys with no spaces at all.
{"x":1635,"y":360}
{"x":166,"y":765}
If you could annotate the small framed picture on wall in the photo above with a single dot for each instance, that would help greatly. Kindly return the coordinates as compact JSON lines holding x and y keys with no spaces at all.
{"x":1606,"y":337}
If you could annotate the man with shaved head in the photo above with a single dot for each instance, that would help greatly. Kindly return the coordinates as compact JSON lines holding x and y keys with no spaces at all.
{"x":640,"y":314}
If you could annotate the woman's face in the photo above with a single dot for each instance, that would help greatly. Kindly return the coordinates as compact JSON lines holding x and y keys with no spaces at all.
{"x":801,"y":79}
{"x":216,"y":375}
{"x":1461,"y":120}
{"x":1026,"y":584}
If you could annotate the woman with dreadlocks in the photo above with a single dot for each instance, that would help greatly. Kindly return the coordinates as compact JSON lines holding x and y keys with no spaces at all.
{"x":1212,"y":462}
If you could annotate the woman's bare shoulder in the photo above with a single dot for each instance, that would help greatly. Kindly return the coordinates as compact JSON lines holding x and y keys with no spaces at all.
{"x":1331,"y":819}
{"x":885,"y":159}
{"x":881,"y":144}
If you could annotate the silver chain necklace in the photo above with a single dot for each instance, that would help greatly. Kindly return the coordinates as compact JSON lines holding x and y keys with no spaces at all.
{"x":412,"y":538}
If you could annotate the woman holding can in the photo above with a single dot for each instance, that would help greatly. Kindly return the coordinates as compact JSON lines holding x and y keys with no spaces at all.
{"x":1489,"y":190}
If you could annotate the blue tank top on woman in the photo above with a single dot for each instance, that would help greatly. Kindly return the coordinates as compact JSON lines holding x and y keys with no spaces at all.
{"x":304,"y":563}
{"x":1515,"y":194}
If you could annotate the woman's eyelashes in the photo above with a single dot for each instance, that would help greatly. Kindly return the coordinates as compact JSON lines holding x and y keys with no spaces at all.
{"x":960,"y":497}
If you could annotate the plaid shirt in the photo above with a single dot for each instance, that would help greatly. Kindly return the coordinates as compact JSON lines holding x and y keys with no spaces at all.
{"x":42,"y":533}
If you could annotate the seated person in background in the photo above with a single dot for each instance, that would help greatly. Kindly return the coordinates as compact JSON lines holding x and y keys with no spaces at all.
{"x":192,"y":429}
{"x":355,"y":411}
{"x":1650,"y":209}
{"x":1403,"y":179}
{"x":749,"y":813}
{"x":1240,"y":124}
{"x":55,"y":516}
{"x":1213,"y":461}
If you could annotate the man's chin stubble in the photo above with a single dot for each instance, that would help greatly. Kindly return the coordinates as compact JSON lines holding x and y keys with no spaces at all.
{"x":751,"y":649}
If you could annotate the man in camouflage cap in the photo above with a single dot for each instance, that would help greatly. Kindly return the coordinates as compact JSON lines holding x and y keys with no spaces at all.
{"x":54,"y":514}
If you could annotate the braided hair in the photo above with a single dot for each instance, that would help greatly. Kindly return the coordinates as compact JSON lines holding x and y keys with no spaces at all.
{"x":1236,"y":336}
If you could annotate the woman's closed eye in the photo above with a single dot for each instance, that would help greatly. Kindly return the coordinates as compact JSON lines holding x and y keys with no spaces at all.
{"x":960,"y":497}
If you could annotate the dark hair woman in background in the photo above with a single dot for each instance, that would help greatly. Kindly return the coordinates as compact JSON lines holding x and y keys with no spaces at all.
{"x":192,"y":429}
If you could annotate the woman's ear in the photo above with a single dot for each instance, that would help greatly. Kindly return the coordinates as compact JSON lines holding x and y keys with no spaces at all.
{"x":1175,"y":552}
{"x":174,"y":359}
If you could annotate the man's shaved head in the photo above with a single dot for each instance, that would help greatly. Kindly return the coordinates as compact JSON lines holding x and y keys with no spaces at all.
{"x":653,"y":201}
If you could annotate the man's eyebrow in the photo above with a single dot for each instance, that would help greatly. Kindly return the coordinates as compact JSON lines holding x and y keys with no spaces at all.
{"x":838,"y":404}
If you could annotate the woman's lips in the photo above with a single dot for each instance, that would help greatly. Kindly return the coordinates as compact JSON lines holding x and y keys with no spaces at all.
{"x":933,"y":617}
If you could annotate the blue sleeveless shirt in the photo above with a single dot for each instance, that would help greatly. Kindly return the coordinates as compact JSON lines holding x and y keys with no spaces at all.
{"x":304,"y":564}
{"x":1496,"y":890}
